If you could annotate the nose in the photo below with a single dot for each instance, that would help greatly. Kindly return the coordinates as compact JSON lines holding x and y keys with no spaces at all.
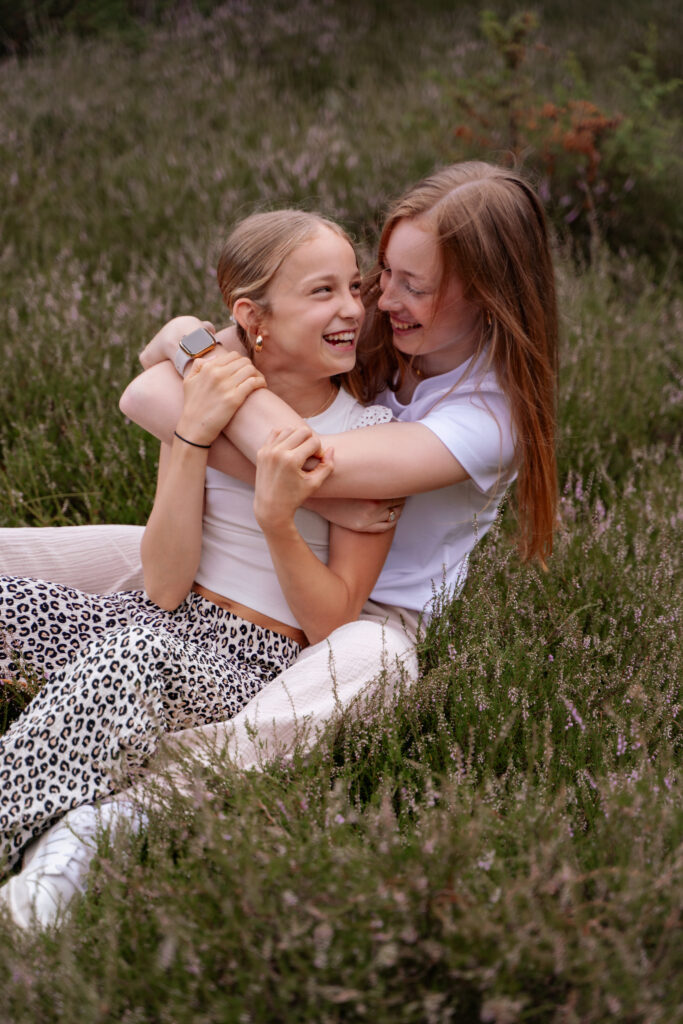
{"x":353,"y":308}
{"x":386,"y":300}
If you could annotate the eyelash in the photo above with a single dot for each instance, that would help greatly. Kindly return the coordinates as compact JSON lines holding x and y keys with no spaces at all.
{"x":355,"y":287}
{"x":411,"y":291}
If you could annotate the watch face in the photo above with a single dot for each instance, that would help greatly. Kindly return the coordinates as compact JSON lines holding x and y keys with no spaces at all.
{"x":196,"y":343}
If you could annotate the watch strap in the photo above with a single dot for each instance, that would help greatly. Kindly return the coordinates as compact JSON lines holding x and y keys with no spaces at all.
{"x":181,"y":360}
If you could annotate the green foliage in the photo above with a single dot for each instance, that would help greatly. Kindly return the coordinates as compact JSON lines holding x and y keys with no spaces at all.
{"x":603,"y":174}
{"x":26,"y":23}
{"x":500,"y":842}
{"x":15,"y":694}
{"x":274,"y":899}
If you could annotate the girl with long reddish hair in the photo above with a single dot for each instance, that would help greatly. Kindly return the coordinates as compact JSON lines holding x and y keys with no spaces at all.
{"x":488,"y":228}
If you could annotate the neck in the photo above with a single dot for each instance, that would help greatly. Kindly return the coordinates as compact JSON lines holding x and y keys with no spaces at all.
{"x":433,"y":365}
{"x":306,"y":398}
{"x":443,"y":361}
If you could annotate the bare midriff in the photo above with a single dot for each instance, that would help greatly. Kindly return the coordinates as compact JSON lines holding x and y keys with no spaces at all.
{"x":251,"y":615}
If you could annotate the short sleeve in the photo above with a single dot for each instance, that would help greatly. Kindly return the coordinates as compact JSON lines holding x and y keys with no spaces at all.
{"x":476,"y":428}
{"x":369,"y":415}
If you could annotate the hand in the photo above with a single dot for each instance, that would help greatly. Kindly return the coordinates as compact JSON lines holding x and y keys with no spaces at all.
{"x":165,"y":342}
{"x":282,"y":483}
{"x":364,"y":515}
{"x":213,"y":391}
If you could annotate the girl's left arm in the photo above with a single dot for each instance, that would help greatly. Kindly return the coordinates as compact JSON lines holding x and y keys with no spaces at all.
{"x":171,"y":543}
{"x":321,"y":596}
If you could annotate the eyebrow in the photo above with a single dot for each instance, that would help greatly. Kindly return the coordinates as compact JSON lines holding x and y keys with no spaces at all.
{"x":324,"y":278}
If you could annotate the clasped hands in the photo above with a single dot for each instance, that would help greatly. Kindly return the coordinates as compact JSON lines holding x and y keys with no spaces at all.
{"x":231,"y":380}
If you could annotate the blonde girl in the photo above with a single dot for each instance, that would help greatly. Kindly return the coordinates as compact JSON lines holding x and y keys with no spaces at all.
{"x":237,"y":580}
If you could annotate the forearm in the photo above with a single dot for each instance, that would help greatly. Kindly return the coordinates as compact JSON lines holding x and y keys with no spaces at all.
{"x":374,"y":462}
{"x":212,"y":392}
{"x":172,"y":541}
{"x":251,"y":425}
{"x":320,"y":599}
{"x":322,"y":595}
{"x":154,"y":400}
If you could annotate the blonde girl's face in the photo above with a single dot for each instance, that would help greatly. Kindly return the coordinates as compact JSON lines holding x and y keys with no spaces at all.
{"x":315,"y":309}
{"x":438,"y":325}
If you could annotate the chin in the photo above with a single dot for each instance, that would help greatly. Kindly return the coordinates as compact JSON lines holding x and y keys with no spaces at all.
{"x":403,"y":346}
{"x":344,"y":365}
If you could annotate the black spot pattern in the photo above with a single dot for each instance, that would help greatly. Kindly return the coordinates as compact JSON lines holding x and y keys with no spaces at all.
{"x":119,"y":673}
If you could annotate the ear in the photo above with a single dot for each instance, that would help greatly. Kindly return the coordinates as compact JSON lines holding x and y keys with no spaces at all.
{"x":248,"y":314}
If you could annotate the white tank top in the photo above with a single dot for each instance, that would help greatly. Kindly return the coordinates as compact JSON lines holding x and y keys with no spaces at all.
{"x":235,"y":560}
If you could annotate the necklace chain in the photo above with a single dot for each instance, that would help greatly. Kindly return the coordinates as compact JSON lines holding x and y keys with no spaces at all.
{"x":326,"y":404}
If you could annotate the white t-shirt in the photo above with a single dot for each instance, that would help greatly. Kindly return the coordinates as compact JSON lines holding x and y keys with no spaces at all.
{"x":437,"y":530}
{"x":235,"y":560}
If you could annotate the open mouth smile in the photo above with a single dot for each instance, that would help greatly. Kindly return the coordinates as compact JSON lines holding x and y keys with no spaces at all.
{"x":341,"y":339}
{"x":401,"y":327}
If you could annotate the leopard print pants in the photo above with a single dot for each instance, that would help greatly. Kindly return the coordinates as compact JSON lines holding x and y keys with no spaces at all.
{"x":119,"y":672}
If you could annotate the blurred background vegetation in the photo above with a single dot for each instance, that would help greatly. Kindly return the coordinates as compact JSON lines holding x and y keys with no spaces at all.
{"x":503,"y":843}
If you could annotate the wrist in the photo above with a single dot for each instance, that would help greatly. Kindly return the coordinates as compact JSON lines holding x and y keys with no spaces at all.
{"x":192,"y":435}
{"x":192,"y":444}
{"x":275,"y":523}
{"x":164,"y":344}
{"x":191,"y":346}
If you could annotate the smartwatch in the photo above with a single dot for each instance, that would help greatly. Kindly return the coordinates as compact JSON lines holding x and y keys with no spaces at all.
{"x":196,"y":343}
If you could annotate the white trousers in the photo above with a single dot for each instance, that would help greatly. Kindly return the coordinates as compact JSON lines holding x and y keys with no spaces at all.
{"x":96,"y":559}
{"x":327,"y":679}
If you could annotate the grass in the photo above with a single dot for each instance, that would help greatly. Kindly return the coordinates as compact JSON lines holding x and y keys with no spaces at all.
{"x":503,"y":843}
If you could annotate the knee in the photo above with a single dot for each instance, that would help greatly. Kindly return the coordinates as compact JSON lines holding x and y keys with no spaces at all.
{"x":375,"y":648}
{"x":133,"y":654}
{"x":137,"y":640}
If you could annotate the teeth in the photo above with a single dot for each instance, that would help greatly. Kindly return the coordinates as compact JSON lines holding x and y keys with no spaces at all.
{"x":401,"y":325}
{"x":340,"y":336}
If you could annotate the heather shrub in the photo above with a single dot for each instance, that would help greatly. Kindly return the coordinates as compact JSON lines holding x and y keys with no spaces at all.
{"x":500,"y":842}
{"x":602,"y":170}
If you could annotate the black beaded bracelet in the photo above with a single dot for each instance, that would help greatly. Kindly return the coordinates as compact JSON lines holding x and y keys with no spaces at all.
{"x":193,"y":443}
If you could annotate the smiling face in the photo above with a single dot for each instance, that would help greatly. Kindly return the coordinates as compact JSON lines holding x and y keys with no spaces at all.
{"x":315,"y":310}
{"x":428,"y":321}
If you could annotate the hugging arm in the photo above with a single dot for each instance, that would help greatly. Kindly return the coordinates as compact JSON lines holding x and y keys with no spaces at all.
{"x":321,"y":595}
{"x":376,"y":462}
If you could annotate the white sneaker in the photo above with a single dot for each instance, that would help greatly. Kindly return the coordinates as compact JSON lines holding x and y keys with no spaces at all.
{"x":56,"y":865}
